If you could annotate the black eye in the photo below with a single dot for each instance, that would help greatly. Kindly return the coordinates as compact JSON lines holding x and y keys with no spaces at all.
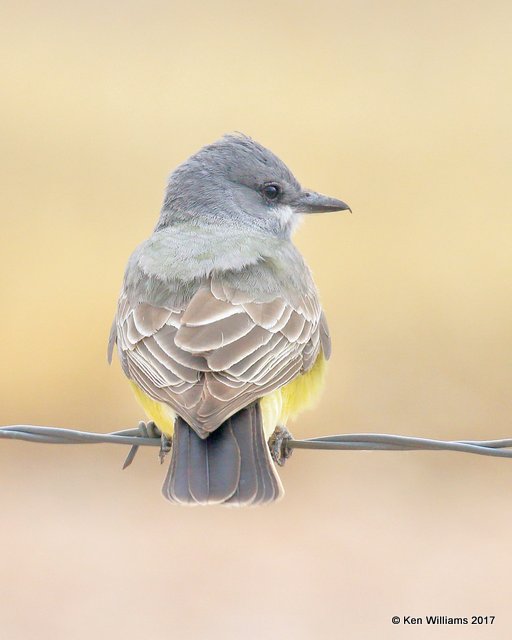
{"x":271,"y":191}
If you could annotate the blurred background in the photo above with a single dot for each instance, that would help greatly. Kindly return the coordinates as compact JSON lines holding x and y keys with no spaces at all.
{"x":403,"y":110}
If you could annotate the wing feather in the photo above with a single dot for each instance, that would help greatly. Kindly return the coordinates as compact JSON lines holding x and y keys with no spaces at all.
{"x":219,"y":351}
{"x":227,"y":356}
{"x":325,"y":336}
{"x":148,"y":319}
{"x":293,"y":328}
{"x":164,"y":362}
{"x":165,"y":340}
{"x":204,"y":308}
{"x":265,"y":315}
{"x":208,"y":337}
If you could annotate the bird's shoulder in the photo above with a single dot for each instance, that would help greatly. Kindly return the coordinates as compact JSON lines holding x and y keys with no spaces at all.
{"x":172,"y":265}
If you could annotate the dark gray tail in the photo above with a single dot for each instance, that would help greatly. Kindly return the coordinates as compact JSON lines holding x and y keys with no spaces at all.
{"x":232,"y":466}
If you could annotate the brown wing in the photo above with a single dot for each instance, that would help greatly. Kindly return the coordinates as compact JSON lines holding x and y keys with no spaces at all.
{"x":220,"y":352}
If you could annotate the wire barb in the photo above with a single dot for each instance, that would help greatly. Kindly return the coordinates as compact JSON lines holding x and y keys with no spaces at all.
{"x":144,"y":432}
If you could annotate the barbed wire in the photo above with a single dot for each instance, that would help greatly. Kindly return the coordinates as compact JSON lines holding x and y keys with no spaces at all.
{"x":148,"y":435}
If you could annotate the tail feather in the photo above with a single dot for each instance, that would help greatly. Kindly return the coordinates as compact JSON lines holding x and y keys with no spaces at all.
{"x":247,"y":488}
{"x":259,"y":482}
{"x":232,"y":466}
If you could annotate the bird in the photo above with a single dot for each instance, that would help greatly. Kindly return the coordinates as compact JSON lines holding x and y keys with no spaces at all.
{"x":219,"y":327}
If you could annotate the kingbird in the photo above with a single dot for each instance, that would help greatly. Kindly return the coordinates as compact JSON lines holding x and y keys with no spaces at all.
{"x":219,"y":327}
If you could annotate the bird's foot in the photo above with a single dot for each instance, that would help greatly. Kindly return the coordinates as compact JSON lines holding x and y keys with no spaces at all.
{"x":165,"y":441}
{"x":278,"y":444}
{"x":165,"y":447}
{"x":152,"y":430}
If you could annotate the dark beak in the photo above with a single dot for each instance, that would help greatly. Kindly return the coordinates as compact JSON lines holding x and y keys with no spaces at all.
{"x":312,"y":202}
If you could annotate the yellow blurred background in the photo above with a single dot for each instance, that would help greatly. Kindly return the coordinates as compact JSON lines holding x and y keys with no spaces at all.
{"x":400,"y":108}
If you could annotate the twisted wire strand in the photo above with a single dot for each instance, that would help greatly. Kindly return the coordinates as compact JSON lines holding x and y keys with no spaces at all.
{"x":148,"y":435}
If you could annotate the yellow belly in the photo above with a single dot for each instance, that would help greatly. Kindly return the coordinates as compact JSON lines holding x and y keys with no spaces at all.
{"x":299,"y":394}
{"x":276,"y":407}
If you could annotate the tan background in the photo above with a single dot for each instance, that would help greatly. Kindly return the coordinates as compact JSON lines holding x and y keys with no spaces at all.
{"x":400,"y":108}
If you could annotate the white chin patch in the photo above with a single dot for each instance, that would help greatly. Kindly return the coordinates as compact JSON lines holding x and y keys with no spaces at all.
{"x":287,"y":217}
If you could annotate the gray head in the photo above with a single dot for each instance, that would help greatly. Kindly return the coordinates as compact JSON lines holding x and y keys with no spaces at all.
{"x":236,"y":182}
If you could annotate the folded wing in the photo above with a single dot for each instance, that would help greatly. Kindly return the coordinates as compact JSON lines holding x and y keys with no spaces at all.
{"x":221,"y":351}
